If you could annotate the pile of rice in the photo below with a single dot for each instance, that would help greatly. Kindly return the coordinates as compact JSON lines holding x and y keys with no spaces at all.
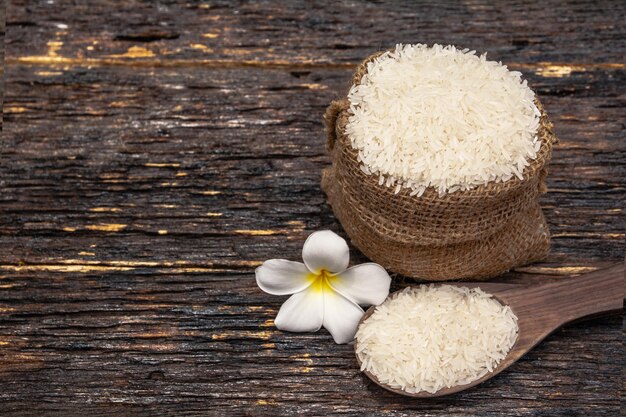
{"x":442,"y":117}
{"x":428,"y":337}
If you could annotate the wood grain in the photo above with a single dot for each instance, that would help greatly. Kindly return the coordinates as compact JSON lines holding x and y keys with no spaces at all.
{"x":154,"y":154}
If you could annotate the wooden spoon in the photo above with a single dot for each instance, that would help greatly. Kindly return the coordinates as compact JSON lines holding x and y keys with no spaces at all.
{"x":540,"y":309}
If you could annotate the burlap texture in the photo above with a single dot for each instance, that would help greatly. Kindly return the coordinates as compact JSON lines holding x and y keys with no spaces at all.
{"x":472,"y":234}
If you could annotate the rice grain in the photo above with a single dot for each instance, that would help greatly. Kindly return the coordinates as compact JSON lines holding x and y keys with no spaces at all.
{"x":442,"y":117}
{"x":429,"y":337}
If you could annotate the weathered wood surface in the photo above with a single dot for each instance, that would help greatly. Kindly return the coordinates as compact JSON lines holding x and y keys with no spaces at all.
{"x":154,"y":153}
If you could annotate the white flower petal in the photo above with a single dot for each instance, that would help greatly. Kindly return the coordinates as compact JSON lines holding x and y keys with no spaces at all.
{"x":281,"y":277}
{"x":366,"y":284}
{"x":302,"y":312}
{"x":341,"y":317}
{"x":325,"y":250}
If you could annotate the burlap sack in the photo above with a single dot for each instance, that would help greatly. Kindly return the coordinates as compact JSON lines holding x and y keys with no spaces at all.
{"x":472,"y":234}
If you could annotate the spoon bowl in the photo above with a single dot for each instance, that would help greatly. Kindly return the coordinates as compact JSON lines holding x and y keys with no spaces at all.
{"x":540,"y":309}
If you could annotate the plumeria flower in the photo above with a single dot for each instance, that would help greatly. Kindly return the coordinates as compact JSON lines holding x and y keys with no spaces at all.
{"x":325,"y":291}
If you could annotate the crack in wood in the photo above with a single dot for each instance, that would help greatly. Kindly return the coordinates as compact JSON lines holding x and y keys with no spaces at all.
{"x":134,"y":58}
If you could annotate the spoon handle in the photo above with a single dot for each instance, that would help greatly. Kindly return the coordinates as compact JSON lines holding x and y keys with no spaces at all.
{"x":591,"y":294}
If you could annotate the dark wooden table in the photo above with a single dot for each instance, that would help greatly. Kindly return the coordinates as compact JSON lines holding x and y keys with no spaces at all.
{"x":155,"y":152}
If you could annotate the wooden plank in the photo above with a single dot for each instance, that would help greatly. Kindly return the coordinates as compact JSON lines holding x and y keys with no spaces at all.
{"x":232,"y":158}
{"x":330,"y":33}
{"x":166,"y":341}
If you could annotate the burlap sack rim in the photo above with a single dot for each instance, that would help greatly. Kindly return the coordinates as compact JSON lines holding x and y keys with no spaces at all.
{"x":336,"y":118}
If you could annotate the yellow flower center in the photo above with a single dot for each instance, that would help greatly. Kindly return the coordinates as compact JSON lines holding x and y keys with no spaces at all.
{"x":321,"y":282}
